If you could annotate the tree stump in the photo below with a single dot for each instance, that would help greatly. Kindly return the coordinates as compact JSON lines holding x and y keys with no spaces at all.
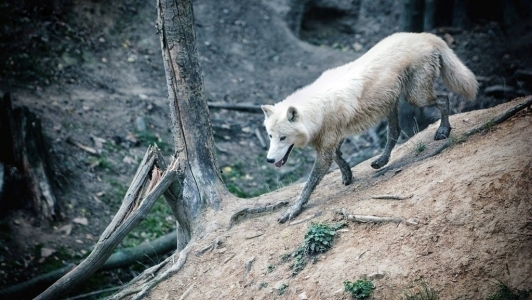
{"x":24,"y":156}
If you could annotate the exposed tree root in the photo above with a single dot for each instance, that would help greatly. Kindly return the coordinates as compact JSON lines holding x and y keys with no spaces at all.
{"x":254,"y":210}
{"x":185,"y":294}
{"x":152,"y":276}
{"x":209,"y":247}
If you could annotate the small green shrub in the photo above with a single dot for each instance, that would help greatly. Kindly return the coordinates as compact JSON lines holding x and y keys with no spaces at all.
{"x":360,"y":289}
{"x":505,"y":293}
{"x":281,"y":289}
{"x":319,"y":237}
{"x":271,"y":268}
{"x":421,"y":292}
{"x":420,"y":147}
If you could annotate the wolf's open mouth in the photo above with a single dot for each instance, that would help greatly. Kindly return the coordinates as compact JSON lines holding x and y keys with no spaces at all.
{"x":285,"y":158}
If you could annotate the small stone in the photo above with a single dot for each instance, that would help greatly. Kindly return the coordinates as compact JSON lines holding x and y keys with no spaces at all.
{"x":303,"y":296}
{"x":376,"y":276}
{"x":82,"y":221}
{"x":357,"y":46}
{"x":45,"y":252}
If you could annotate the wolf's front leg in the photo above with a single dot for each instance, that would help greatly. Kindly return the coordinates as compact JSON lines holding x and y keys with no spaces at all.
{"x":321,"y":166}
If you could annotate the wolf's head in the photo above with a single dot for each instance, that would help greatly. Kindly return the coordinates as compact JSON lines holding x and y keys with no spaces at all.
{"x":285,"y":130}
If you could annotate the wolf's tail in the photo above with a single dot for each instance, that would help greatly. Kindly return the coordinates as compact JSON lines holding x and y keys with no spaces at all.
{"x":456,"y":76}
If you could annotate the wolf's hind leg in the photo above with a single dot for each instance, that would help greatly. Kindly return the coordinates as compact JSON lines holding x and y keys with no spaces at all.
{"x":393,"y":135}
{"x":321,"y":166}
{"x":347,"y":175}
{"x":442,"y":102}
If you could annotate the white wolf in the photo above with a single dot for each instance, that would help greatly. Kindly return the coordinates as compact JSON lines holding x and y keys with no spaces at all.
{"x":351,"y":98}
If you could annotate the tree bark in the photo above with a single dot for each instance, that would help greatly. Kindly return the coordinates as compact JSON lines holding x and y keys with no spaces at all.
{"x":191,"y":123}
{"x":411,"y":19}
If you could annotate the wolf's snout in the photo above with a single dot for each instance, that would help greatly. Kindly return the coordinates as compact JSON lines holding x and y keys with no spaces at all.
{"x":270,"y":160}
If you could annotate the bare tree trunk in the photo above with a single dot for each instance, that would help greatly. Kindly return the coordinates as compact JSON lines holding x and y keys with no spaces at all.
{"x":430,"y":14}
{"x":411,"y":19}
{"x":460,"y":14}
{"x":191,"y":123}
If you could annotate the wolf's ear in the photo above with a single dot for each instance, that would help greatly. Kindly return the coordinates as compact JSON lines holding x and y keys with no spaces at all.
{"x":292,"y":115}
{"x":268,"y":110}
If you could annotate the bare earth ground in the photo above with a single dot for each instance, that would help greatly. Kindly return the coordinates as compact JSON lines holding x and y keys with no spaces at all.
{"x":474,"y":206}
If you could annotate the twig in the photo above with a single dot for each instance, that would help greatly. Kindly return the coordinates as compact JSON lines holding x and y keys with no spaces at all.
{"x":185,"y":294}
{"x":255,"y":210}
{"x":306,"y":218}
{"x":254,"y":236}
{"x":83,"y":147}
{"x":392,"y":197}
{"x":228,"y":259}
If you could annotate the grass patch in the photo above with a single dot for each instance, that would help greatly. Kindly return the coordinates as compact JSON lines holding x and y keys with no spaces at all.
{"x":505,"y":293}
{"x":420,"y":292}
{"x":360,"y":289}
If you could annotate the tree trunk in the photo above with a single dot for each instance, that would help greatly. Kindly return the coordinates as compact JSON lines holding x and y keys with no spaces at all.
{"x":191,"y":123}
{"x":411,"y":19}
{"x":460,"y":14}
{"x":429,"y":16}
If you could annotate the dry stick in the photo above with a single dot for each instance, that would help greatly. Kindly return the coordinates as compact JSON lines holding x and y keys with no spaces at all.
{"x":248,"y":265}
{"x":306,"y":218}
{"x":497,"y":120}
{"x":368,"y":219}
{"x":392,"y":197}
{"x":228,"y":259}
{"x":255,"y":210}
{"x":137,"y":202}
{"x":83,"y":147}
{"x":254,"y":236}
{"x":185,"y":294}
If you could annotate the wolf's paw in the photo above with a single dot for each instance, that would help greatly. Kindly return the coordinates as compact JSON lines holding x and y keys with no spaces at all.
{"x":380,"y":162}
{"x":442,"y":133}
{"x":347,"y":179}
{"x":290,"y":214}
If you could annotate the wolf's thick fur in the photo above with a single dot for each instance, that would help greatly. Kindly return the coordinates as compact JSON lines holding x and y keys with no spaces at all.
{"x":351,"y":98}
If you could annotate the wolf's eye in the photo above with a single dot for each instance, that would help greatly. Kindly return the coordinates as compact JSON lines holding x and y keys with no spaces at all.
{"x":283,"y":138}
{"x":270,"y":136}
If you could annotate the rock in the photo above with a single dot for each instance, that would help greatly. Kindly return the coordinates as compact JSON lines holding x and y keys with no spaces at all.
{"x":303,"y":296}
{"x":357,"y":46}
{"x":376,"y":276}
{"x":82,"y":221}
{"x":141,"y":124}
{"x":45,"y":252}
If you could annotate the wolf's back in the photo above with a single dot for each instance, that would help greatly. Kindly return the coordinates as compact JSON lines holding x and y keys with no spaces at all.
{"x":456,"y":76}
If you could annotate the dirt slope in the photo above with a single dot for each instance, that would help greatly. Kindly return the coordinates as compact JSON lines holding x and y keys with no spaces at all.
{"x":473,"y":203}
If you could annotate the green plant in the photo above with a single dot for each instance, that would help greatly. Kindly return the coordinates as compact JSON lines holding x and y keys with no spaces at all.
{"x":420,"y":292}
{"x":271,"y":268}
{"x":420,"y":147}
{"x":282,"y":288}
{"x":505,"y":293}
{"x":319,"y":237}
{"x":360,"y":289}
{"x":454,"y":140}
{"x":263,"y":285}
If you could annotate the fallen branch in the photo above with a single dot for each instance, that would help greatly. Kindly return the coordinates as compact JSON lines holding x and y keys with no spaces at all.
{"x":255,"y":210}
{"x":91,"y":294}
{"x":392,"y":197}
{"x":25,"y":289}
{"x":247,"y":107}
{"x":306,"y":218}
{"x":260,"y":138}
{"x":254,"y":236}
{"x":368,"y":219}
{"x":228,"y":259}
{"x":139,"y":199}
